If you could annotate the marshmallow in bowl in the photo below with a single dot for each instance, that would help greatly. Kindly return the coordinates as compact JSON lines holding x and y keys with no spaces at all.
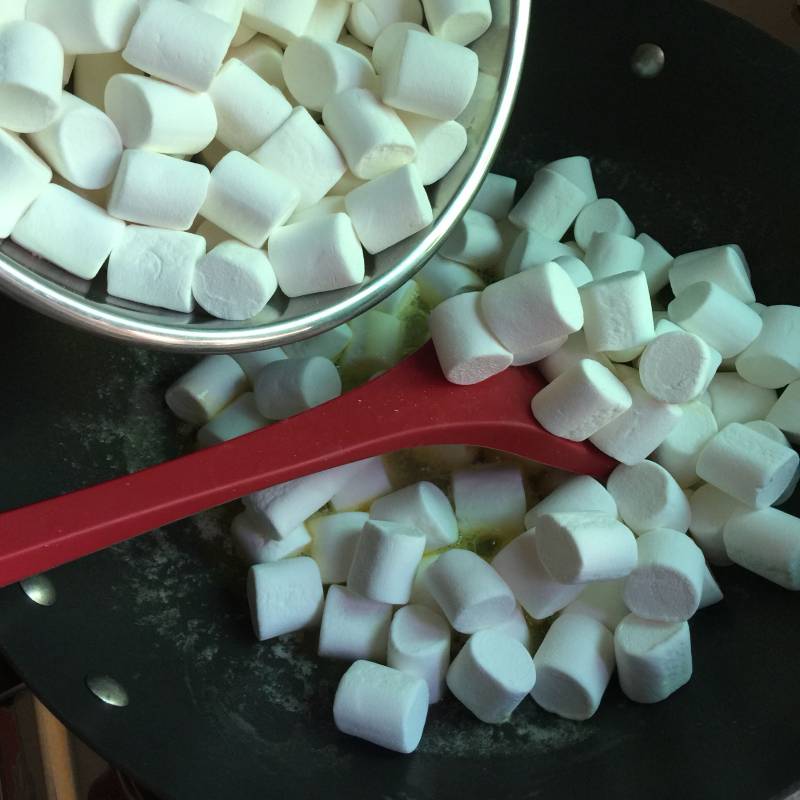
{"x":24,"y":177}
{"x":353,"y":626}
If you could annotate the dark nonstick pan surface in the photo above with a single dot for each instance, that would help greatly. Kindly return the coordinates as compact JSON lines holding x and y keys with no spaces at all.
{"x":707,"y":153}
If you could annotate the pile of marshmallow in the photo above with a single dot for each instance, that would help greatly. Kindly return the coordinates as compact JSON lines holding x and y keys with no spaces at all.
{"x":286,"y":203}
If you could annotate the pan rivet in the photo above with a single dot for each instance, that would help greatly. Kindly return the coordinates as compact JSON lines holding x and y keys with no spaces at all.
{"x":647,"y":60}
{"x":40,"y":589}
{"x":107,"y":689}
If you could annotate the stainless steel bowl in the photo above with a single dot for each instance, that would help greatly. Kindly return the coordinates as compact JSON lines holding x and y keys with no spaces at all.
{"x":85,"y":304}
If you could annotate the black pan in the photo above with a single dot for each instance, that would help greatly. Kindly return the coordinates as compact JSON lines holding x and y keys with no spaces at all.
{"x":709,"y":152}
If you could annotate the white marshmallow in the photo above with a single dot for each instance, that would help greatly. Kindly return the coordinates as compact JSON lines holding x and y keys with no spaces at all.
{"x":419,"y":645}
{"x":178,"y":43}
{"x":601,"y":216}
{"x":255,"y":544}
{"x":580,"y":401}
{"x":724,"y":321}
{"x":532,"y":307}
{"x":23,"y":176}
{"x":287,"y":387}
{"x":723,"y":266}
{"x":538,"y":352}
{"x":785,"y":414}
{"x":603,"y":601}
{"x":328,"y":19}
{"x":656,"y":263}
{"x":577,"y":170}
{"x":772,"y":360}
{"x":371,"y":482}
{"x":346,"y":184}
{"x":654,"y":659}
{"x":468,"y":352}
{"x":580,"y":493}
{"x":377,"y":345}
{"x":496,"y":196}
{"x":531,"y":248}
{"x":766,"y":542}
{"x":382,"y":705}
{"x":441,"y":278}
{"x":477,"y":113}
{"x":401,"y":301}
{"x":12,"y":10}
{"x":334,"y":541}
{"x":627,"y":374}
{"x":283,"y":20}
{"x":389,"y":41}
{"x":301,"y":152}
{"x":419,"y":589}
{"x":31,"y":69}
{"x":207,"y":388}
{"x":73,"y":233}
{"x":264,"y":57}
{"x":389,"y":208}
{"x":229,"y":11}
{"x":567,"y":356}
{"x":577,"y":271}
{"x":471,"y":594}
{"x":248,"y":200}
{"x":711,"y":509}
{"x":368,"y":18}
{"x":284,"y":596}
{"x":154,"y":115}
{"x":319,"y":255}
{"x":516,"y":626}
{"x":489,"y":500}
{"x":491,"y":675}
{"x":331,"y":204}
{"x":617,"y":312}
{"x":317,"y":70}
{"x":423,"y":506}
{"x":734,"y":399}
{"x":584,"y":546}
{"x":549,"y":206}
{"x":92,"y":72}
{"x":667,"y":583}
{"x":350,"y":41}
{"x":611,"y":253}
{"x":430,"y":76}
{"x":636,"y":433}
{"x":353,"y":627}
{"x":439,"y":144}
{"x":237,"y":419}
{"x":328,"y":345}
{"x":767,"y":429}
{"x":243,"y":35}
{"x":158,"y":190}
{"x":459,"y":21}
{"x":573,"y":664}
{"x":253,"y":363}
{"x":648,"y":497}
{"x":711,"y":592}
{"x":385,"y":561}
{"x":678,"y":453}
{"x":747,"y":465}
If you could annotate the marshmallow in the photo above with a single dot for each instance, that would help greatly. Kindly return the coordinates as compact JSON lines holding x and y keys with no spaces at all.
{"x":549,"y":206}
{"x":92,"y":72}
{"x":767,"y":429}
{"x":287,"y":387}
{"x":724,"y":321}
{"x":371,"y":482}
{"x":723,"y":266}
{"x":538,"y":352}
{"x":516,"y":626}
{"x":611,"y":253}
{"x":491,"y":675}
{"x":711,"y":592}
{"x":376,"y":346}
{"x":601,"y":216}
{"x":580,"y":493}
{"x":772,"y":360}
{"x":617,"y":312}
{"x":317,"y":70}
{"x":178,"y":43}
{"x":656,"y":263}
{"x":654,"y":659}
{"x":419,"y":590}
{"x":568,"y":355}
{"x":389,"y":41}
{"x":636,"y":433}
{"x":353,"y":627}
{"x":31,"y":69}
{"x":328,"y":345}
{"x":350,"y":41}
{"x":678,"y":453}
{"x":12,"y":10}
{"x":285,"y":506}
{"x":346,"y":184}
{"x":648,"y":497}
{"x":229,"y":11}
{"x":284,"y":596}
{"x":253,"y":363}
{"x":237,"y":419}
{"x":319,"y":255}
{"x":785,"y":414}
{"x":468,"y":352}
{"x":471,"y":594}
{"x":441,"y":278}
{"x":711,"y":509}
{"x":264,"y":57}
{"x":243,"y":35}
{"x":577,"y":271}
{"x":530,"y":249}
{"x":496,"y":196}
{"x":389,"y":208}
{"x":369,"y":17}
{"x":153,"y":115}
{"x":328,"y":19}
{"x":158,"y":190}
{"x":283,"y":20}
{"x":489,"y":500}
{"x":430,"y":76}
{"x":255,"y":544}
{"x":532,"y":307}
{"x":580,"y":401}
{"x":667,"y":583}
{"x":584,"y":546}
{"x":458,"y":21}
{"x":24,"y":177}
{"x":86,"y":26}
{"x":747,"y":465}
{"x":603,"y":601}
{"x":82,"y":144}
{"x":627,"y":374}
{"x":766,"y":542}
{"x":419,"y":645}
{"x":382,"y":705}
{"x":402,"y":301}
{"x":734,"y":399}
{"x":73,"y":233}
{"x":385,"y":560}
{"x":234,"y":281}
{"x":301,"y":152}
{"x":577,"y":170}
{"x":331,"y":204}
{"x":334,"y":542}
{"x":247,"y":200}
{"x":439,"y":144}
{"x":573,"y":664}
{"x":207,"y":388}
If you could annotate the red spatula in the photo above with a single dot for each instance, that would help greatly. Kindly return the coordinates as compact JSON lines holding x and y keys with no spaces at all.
{"x":408,"y":406}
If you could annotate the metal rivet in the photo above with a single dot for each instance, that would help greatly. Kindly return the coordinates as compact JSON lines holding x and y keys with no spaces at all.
{"x":40,"y":589}
{"x":107,"y":689}
{"x":647,"y":60}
